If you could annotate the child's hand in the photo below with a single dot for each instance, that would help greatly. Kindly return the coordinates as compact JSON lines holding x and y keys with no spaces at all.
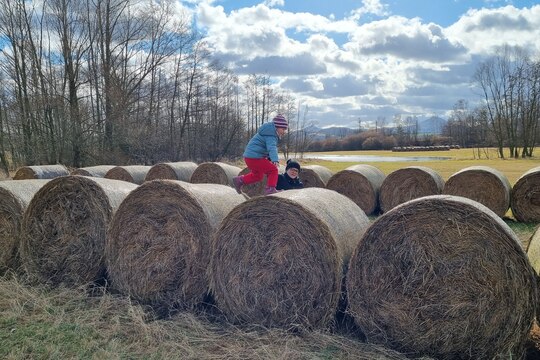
{"x":276,"y":163}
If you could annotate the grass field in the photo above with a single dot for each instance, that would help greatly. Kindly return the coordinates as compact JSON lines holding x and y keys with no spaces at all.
{"x":43,"y":323}
{"x":459,"y":159}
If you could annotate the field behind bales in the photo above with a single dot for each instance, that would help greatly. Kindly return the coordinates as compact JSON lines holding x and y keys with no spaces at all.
{"x":37,"y":322}
{"x":459,"y":159}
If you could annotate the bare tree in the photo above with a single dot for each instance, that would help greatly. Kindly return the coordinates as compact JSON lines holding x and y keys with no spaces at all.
{"x":510,"y":86}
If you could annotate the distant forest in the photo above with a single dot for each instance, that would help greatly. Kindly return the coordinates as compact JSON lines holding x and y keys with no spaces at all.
{"x":123,"y":82}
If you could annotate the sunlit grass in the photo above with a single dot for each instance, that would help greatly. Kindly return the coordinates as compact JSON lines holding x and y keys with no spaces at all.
{"x":459,"y":159}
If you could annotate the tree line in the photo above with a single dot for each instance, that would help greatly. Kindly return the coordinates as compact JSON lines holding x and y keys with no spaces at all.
{"x":85,"y":82}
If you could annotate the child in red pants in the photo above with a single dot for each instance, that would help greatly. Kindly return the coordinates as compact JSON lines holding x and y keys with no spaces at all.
{"x":261,"y":155}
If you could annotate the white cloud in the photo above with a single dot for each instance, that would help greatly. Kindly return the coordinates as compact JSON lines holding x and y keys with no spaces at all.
{"x":407,"y":39}
{"x":345,"y":70}
{"x":484,"y":30}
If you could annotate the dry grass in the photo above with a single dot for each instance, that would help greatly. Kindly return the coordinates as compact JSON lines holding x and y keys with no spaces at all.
{"x":40,"y":323}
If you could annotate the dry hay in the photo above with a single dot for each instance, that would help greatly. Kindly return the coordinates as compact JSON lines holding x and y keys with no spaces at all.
{"x":315,"y":176}
{"x":215,"y":173}
{"x":525,"y":199}
{"x":14,"y":199}
{"x":64,"y":228}
{"x":40,"y":172}
{"x":159,"y":243}
{"x":131,"y":173}
{"x":443,"y":276}
{"x":93,"y":171}
{"x":484,"y":184}
{"x":533,"y":250}
{"x":278,"y":260}
{"x":407,"y":184}
{"x":257,"y":188}
{"x":361,"y":184}
{"x":181,"y":170}
{"x":533,"y":254}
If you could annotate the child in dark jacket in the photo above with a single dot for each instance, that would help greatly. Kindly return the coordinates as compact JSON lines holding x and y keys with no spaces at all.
{"x":290,"y":179}
{"x":261,"y":156}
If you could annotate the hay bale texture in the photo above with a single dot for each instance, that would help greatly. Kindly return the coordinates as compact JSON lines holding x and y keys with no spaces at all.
{"x":525,"y":198}
{"x":361,"y":184}
{"x":65,"y":226}
{"x":159,"y":243}
{"x":315,"y":176}
{"x":40,"y":172}
{"x":14,"y":199}
{"x":93,"y":171}
{"x":484,"y":184}
{"x":215,"y":173}
{"x":443,"y":276}
{"x":256,"y":189}
{"x":278,"y":260}
{"x":407,"y":184}
{"x":182,"y":170}
{"x":135,"y":174}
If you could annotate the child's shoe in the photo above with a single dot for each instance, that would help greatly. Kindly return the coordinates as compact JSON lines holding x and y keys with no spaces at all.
{"x":270,"y":190}
{"x":238,"y":183}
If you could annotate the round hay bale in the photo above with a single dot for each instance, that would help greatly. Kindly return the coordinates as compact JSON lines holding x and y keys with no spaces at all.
{"x":525,"y":199}
{"x":533,"y":251}
{"x":278,"y":260}
{"x":181,"y":170}
{"x":215,"y":173}
{"x":443,"y":276}
{"x":65,"y":226}
{"x":40,"y":172}
{"x":407,"y":184}
{"x":256,"y":189}
{"x":131,"y":173}
{"x":315,"y":176}
{"x":361,"y":184}
{"x":14,"y":199}
{"x":483,"y":184}
{"x":93,"y":171}
{"x":159,"y":242}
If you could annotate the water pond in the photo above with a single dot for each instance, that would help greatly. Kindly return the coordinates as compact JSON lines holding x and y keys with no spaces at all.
{"x":373,"y":158}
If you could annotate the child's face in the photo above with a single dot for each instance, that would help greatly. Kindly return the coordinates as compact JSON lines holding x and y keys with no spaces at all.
{"x":281,"y":131}
{"x":292,"y":172}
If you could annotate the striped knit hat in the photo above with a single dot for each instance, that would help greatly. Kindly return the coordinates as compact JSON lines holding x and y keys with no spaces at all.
{"x":280,"y":121}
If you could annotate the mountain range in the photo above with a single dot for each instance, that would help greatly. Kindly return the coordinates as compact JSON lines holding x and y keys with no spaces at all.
{"x":430,"y":126}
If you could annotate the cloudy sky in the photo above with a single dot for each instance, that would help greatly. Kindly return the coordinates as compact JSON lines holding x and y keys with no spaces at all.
{"x":359,"y":60}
